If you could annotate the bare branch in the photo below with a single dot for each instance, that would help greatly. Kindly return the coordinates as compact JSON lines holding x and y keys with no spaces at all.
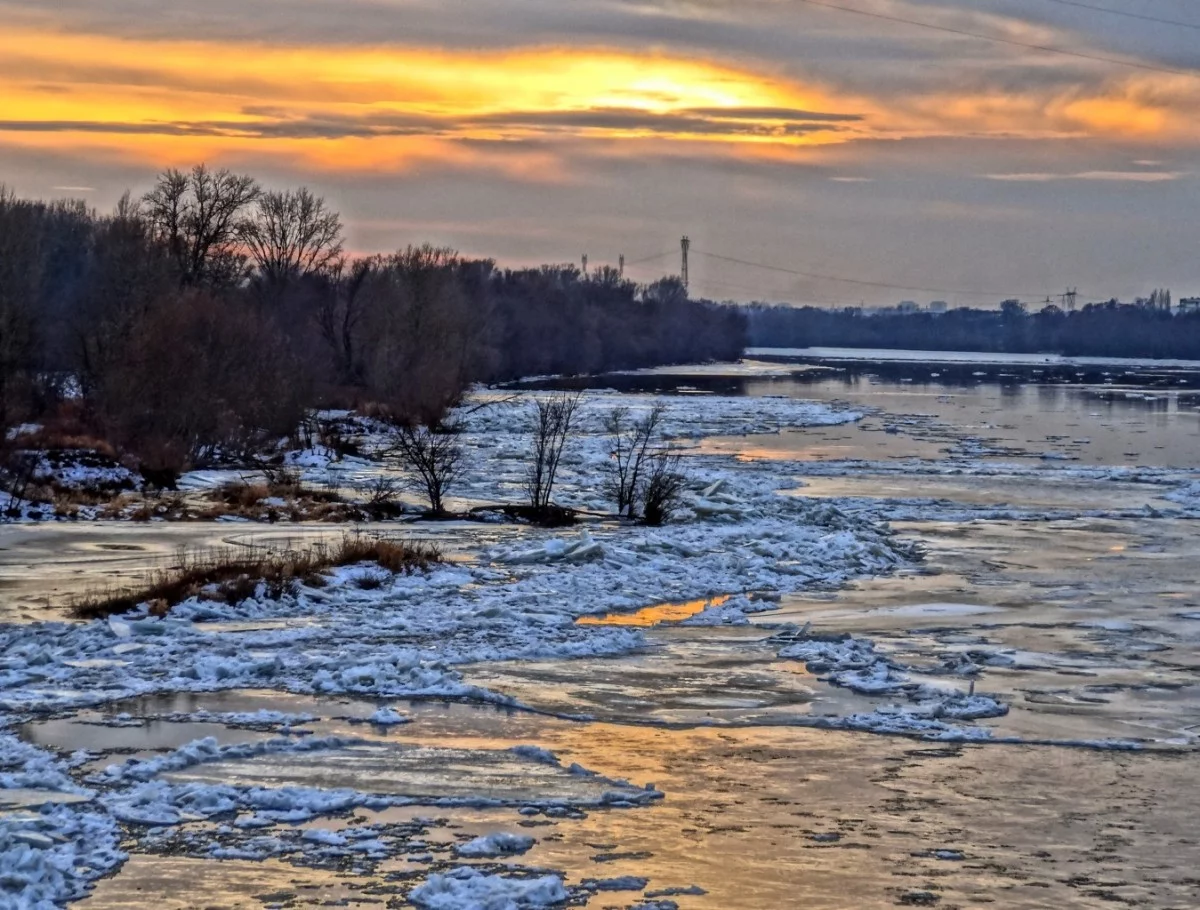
{"x":197,"y":216}
{"x":437,"y":460}
{"x":553,"y":419}
{"x":292,"y":234}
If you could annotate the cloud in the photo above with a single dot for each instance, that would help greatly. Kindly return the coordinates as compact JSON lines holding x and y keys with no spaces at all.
{"x":1107,"y":176}
{"x":743,"y":123}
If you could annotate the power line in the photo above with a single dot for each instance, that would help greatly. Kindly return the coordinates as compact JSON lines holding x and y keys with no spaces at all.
{"x":874,"y":284}
{"x":761,"y":296}
{"x":1049,"y":49}
{"x":1127,"y":14}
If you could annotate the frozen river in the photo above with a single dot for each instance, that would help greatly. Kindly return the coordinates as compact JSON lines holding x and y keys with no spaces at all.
{"x":812,"y":736}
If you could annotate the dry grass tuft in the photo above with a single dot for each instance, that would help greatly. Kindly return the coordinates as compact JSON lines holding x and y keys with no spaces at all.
{"x":62,"y":437}
{"x":301,"y":503}
{"x":241,"y":495}
{"x":230,"y":575}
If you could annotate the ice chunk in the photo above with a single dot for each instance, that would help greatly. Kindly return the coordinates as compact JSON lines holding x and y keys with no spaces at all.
{"x":465,"y":888}
{"x":388,"y":717}
{"x":498,"y":844}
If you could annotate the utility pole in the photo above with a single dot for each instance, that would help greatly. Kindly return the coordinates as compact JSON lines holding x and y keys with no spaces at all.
{"x":621,"y":266}
{"x":685,"y":245}
{"x":585,"y":265}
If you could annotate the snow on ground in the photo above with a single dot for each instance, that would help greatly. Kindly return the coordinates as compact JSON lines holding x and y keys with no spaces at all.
{"x":404,"y":636}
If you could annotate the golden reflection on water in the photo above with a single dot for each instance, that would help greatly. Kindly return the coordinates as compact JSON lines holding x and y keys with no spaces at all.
{"x":653,"y":616}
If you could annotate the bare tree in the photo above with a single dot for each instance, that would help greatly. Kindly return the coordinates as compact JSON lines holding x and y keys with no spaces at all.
{"x":436,"y":458}
{"x":20,"y":265}
{"x":339,"y":315}
{"x":197,"y":215}
{"x":629,"y":448}
{"x":292,"y":234}
{"x":553,"y":419}
{"x":662,"y":490}
{"x":200,"y":374}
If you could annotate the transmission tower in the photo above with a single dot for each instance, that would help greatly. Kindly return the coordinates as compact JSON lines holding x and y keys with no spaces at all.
{"x":621,"y":266}
{"x":1068,"y":299}
{"x":685,"y":244}
{"x":585,"y":264}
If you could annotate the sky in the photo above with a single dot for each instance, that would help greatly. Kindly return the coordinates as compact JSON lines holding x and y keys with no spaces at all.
{"x":861,"y":156}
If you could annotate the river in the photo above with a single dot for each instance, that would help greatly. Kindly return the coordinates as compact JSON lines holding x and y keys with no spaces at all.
{"x":1055,"y":518}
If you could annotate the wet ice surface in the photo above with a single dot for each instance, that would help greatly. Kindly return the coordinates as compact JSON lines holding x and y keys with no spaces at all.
{"x":814,"y":818}
{"x":671,"y":697}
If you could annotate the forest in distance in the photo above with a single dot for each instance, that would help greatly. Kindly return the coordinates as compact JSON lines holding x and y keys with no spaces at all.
{"x":209,"y":315}
{"x":1110,"y":329}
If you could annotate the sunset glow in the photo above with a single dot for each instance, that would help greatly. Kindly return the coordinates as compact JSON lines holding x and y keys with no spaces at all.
{"x":457,"y":118}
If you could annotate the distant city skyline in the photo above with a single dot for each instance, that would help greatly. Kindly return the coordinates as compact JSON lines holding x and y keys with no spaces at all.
{"x":878,"y":140}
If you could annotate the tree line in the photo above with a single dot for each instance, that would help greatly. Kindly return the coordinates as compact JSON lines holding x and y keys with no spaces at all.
{"x":209,"y":314}
{"x":1143,"y":329}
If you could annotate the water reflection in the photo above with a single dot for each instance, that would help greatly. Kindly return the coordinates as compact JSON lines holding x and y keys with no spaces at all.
{"x":655,"y":615}
{"x":1145,"y":415}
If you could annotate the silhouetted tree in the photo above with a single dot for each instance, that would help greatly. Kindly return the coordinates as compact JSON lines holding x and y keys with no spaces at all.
{"x":197,"y":216}
{"x":435,"y":458}
{"x":630,"y":450}
{"x":291,"y":234}
{"x":199,"y":376}
{"x":662,"y":490}
{"x":553,"y":422}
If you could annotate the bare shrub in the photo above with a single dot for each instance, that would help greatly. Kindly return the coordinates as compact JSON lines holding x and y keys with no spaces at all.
{"x":436,"y":459}
{"x":199,"y":376}
{"x":285,"y":478}
{"x":54,"y":437}
{"x":630,"y":444}
{"x":331,"y":434}
{"x":662,"y":490}
{"x":552,"y":426}
{"x":232,"y":574}
{"x":18,"y":474}
{"x":241,"y":495}
{"x":382,"y":497}
{"x":299,"y":502}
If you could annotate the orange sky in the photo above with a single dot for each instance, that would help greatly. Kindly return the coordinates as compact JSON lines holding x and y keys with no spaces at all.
{"x":347,"y":106}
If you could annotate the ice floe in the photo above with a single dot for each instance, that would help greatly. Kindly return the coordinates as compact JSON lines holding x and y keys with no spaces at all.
{"x":467,"y":887}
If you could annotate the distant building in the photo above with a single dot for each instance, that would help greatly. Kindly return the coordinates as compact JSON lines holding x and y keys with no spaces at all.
{"x":938,"y":306}
{"x":908,"y":306}
{"x":1189,"y":305}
